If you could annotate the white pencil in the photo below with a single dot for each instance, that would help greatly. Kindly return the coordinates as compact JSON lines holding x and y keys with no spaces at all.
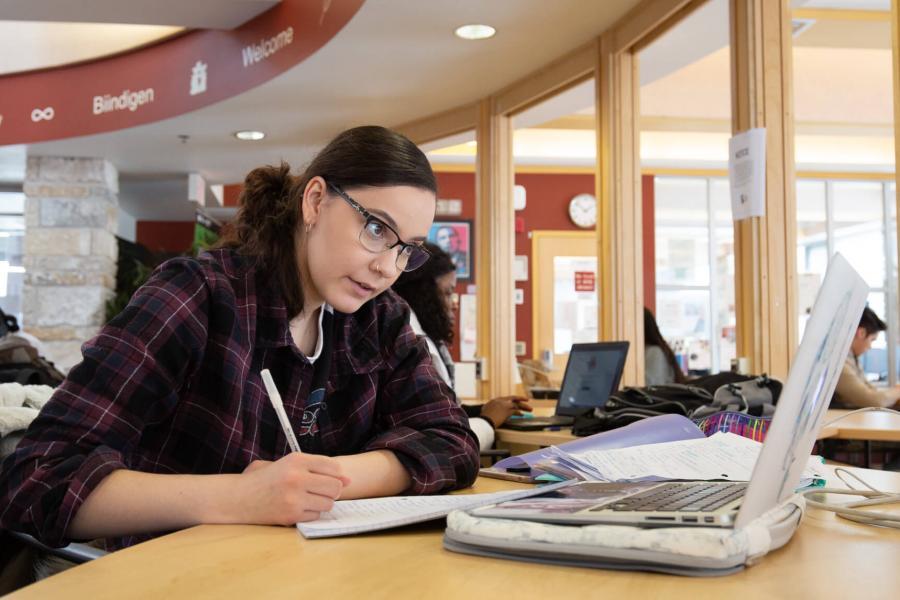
{"x":277,"y":404}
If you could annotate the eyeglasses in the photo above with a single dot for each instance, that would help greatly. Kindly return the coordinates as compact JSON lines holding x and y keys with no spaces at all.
{"x":376,"y":236}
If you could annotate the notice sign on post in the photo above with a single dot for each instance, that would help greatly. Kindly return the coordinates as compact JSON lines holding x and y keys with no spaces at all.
{"x":747,"y":174}
{"x":584,"y":281}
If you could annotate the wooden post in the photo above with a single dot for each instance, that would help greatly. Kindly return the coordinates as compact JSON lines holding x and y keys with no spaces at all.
{"x":765,"y":247}
{"x":495,"y":249}
{"x":618,"y":184}
{"x":895,"y":44}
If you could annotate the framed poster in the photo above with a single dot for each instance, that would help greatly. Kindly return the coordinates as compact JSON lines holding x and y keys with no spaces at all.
{"x":455,"y":238}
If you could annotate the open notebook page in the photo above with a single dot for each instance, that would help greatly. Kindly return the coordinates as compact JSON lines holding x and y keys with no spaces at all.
{"x":358,"y":516}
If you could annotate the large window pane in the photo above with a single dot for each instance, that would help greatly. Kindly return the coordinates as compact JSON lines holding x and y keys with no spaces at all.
{"x":812,"y":243}
{"x":682,"y":255}
{"x":858,"y":227}
{"x":892,"y":310}
{"x":720,"y":197}
{"x":875,"y":361}
{"x":724,"y":316}
{"x":12,"y":273}
{"x":682,"y":231}
{"x":680,"y":200}
{"x":683,"y":317}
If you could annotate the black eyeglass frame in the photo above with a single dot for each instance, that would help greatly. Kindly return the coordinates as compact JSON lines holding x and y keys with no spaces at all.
{"x":370,"y":217}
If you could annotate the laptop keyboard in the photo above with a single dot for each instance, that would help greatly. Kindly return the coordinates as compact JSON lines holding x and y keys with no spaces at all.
{"x":682,"y":497}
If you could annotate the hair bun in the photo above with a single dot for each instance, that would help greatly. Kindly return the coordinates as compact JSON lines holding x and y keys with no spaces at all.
{"x":267,"y":184}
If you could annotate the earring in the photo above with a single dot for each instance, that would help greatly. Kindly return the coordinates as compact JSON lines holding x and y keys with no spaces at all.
{"x":308,"y":227}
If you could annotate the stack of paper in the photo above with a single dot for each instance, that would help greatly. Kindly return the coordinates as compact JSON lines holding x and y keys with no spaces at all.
{"x":359,"y":516}
{"x":722,"y":456}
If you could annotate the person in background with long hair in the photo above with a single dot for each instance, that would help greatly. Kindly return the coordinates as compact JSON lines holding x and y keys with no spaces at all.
{"x":166,"y":422}
{"x":430,"y":291}
{"x":660,"y":365}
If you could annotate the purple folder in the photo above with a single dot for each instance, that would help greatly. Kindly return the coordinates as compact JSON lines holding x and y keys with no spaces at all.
{"x":654,"y":430}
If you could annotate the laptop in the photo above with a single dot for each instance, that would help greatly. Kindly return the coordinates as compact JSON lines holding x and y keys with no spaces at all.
{"x":798,"y":416}
{"x":592,"y":374}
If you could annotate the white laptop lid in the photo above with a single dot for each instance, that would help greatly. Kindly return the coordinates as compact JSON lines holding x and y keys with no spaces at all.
{"x":807,"y":393}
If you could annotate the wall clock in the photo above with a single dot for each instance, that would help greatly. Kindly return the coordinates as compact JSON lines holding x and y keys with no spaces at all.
{"x":583,"y":210}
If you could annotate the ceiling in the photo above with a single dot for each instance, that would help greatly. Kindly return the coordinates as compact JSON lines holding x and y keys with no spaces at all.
{"x":204,"y":14}
{"x":397,"y":60}
{"x":368,"y":74}
{"x":28,"y":45}
{"x":842,"y":85}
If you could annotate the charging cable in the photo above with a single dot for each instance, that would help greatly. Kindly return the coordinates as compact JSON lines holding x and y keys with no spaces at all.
{"x":852,"y":510}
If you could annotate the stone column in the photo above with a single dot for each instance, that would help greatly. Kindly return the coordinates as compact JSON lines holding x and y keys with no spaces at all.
{"x":70,"y":251}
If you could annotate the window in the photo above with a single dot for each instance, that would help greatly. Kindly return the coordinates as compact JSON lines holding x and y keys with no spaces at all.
{"x":695,"y":269}
{"x":695,"y":261}
{"x":12,"y":271}
{"x":857,"y":219}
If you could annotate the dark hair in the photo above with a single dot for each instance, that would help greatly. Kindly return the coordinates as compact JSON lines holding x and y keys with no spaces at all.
{"x":270,"y":205}
{"x":870,"y":322}
{"x":419,"y":289}
{"x":652,"y":337}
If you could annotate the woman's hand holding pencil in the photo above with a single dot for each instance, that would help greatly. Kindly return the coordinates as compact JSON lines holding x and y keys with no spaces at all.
{"x":298,"y":487}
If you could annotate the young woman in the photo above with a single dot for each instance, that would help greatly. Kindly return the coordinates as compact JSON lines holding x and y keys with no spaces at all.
{"x":429,"y":291}
{"x":660,"y":365}
{"x":166,"y":422}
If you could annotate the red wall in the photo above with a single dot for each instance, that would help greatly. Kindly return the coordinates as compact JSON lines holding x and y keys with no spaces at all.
{"x":547,"y":198}
{"x":546,"y":208}
{"x":460,"y":186}
{"x":231,"y":193}
{"x":166,"y":236}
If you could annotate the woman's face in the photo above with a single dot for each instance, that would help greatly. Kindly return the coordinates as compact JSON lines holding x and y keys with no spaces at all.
{"x":339,"y":269}
{"x":446,"y":285}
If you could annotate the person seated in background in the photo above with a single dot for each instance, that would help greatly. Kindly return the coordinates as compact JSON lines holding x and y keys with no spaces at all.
{"x":430,"y":292}
{"x":660,"y":365}
{"x":853,"y":389}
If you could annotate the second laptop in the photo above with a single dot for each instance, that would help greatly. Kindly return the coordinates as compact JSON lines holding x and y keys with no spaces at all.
{"x":592,"y":374}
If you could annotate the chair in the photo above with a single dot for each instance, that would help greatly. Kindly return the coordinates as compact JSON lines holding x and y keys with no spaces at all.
{"x":536,"y":380}
{"x":23,"y":559}
{"x":75,"y":552}
{"x":19,"y":550}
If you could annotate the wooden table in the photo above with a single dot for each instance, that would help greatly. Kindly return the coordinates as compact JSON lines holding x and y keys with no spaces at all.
{"x":828,"y":558}
{"x":869,"y":426}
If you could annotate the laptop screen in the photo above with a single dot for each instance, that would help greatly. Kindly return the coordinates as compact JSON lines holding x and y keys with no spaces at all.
{"x":592,"y":374}
{"x":810,"y":383}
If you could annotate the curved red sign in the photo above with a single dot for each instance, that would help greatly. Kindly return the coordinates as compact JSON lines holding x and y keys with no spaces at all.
{"x":167,"y":79}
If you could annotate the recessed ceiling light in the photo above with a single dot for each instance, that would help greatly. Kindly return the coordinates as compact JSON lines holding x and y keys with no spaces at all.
{"x":475,"y":32}
{"x":249,"y":136}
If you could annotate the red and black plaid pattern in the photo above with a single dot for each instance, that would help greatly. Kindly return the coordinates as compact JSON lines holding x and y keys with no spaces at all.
{"x":172,"y":385}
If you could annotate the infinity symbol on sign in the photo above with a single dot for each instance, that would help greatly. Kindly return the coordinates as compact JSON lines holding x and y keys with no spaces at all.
{"x":42,"y":115}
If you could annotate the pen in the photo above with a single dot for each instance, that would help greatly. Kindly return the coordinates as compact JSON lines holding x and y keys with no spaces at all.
{"x":275,"y":398}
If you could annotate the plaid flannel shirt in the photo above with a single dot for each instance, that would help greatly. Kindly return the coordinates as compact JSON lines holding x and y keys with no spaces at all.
{"x":172,"y":385}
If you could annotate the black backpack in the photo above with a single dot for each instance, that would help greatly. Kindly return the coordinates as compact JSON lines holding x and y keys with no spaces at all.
{"x":20,"y":362}
{"x":700,"y":397}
